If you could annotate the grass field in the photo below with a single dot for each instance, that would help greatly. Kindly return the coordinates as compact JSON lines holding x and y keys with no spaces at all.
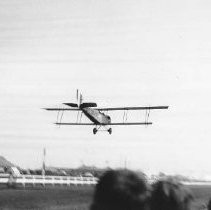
{"x":71,"y":198}
{"x":202,"y":194}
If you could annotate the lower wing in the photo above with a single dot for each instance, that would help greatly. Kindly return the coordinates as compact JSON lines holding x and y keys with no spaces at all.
{"x":74,"y":123}
{"x":131,"y":123}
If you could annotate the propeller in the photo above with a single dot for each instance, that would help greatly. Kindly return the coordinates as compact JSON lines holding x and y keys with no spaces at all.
{"x":79,"y":99}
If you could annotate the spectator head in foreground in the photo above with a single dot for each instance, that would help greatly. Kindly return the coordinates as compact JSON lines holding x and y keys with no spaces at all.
{"x":209,"y":205}
{"x":121,"y":190}
{"x":170,"y":195}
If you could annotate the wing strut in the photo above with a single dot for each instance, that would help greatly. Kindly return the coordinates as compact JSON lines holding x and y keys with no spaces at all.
{"x":81,"y":116}
{"x":125,"y":115}
{"x":77,"y":117}
{"x":59,"y":116}
{"x":147,"y":115}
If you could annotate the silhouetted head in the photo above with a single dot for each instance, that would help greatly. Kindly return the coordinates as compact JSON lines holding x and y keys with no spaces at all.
{"x":121,"y":190}
{"x":209,"y":205}
{"x":170,"y":195}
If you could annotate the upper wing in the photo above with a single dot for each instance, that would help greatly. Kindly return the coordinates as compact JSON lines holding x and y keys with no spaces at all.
{"x":111,"y":108}
{"x":61,"y":109}
{"x":133,"y":108}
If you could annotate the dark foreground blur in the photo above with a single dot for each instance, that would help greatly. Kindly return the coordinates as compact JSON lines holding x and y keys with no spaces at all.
{"x":75,"y":198}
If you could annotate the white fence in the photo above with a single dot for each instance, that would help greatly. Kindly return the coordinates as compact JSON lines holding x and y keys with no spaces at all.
{"x":36,"y":180}
{"x":44,"y":181}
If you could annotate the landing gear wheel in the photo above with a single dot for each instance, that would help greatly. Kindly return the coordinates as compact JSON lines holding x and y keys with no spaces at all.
{"x":94,"y":130}
{"x":110,"y":130}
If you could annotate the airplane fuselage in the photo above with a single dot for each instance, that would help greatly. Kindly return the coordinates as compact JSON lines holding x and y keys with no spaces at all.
{"x":96,"y":116}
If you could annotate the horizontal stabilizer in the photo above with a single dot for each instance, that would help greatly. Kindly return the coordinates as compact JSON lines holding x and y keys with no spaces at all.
{"x":71,"y":104}
{"x":84,"y":105}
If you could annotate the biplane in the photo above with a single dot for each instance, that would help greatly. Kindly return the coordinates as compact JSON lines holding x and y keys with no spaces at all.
{"x":100,"y":120}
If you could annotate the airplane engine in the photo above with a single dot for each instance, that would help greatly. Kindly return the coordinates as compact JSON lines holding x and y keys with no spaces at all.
{"x":109,"y":118}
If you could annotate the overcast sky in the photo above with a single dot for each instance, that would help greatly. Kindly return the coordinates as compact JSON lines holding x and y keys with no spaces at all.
{"x":118,"y":53}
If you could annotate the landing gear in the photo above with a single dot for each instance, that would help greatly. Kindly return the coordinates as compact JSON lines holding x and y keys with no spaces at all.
{"x":110,"y":131}
{"x":94,"y":130}
{"x":102,"y":128}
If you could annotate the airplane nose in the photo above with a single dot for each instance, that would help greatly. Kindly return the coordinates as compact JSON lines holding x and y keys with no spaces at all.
{"x":109,"y":118}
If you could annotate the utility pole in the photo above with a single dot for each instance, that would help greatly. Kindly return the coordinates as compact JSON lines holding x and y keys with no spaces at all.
{"x":43,"y":164}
